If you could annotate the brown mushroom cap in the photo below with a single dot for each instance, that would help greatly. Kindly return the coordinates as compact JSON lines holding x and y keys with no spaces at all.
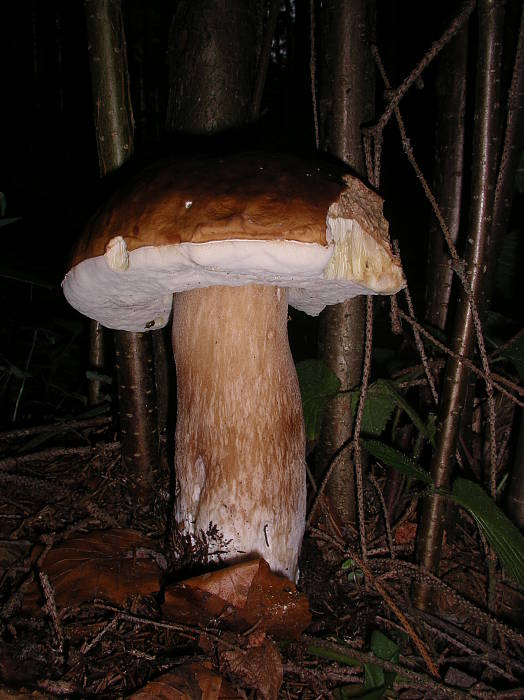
{"x":250,"y":218}
{"x":248,"y":196}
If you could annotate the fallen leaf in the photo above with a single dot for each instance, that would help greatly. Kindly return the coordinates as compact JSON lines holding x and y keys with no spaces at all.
{"x":274,"y":601}
{"x":238,"y":597}
{"x":406,"y":533}
{"x":12,"y":551}
{"x":192,"y":681}
{"x":258,"y":667}
{"x":112,"y":565}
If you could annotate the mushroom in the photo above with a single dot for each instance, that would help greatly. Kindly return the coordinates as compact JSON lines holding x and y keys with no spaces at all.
{"x":225,"y":243}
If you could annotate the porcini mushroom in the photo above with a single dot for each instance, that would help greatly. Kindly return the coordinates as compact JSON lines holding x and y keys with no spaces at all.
{"x":226,"y":243}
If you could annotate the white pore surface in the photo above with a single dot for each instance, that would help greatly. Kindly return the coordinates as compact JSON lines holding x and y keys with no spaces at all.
{"x":133,"y":291}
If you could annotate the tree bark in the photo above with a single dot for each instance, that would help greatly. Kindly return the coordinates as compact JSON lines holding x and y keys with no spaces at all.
{"x":347,"y":91}
{"x":138,"y":412}
{"x":515,"y":487}
{"x":484,"y":176}
{"x":513,"y":144}
{"x":211,"y":63}
{"x":114,"y":136}
{"x":110,"y":83}
{"x":449,"y":175}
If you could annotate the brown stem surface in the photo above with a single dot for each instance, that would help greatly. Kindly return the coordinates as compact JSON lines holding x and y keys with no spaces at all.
{"x":240,"y":445}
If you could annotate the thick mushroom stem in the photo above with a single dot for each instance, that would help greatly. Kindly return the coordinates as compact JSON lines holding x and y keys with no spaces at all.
{"x":240,"y":447}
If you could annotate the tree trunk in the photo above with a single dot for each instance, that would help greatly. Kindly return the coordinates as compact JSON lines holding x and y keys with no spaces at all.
{"x":515,"y":487}
{"x":347,"y":91}
{"x":114,"y":135}
{"x":211,"y":63}
{"x":484,"y":176}
{"x":513,"y":144}
{"x":449,"y":175}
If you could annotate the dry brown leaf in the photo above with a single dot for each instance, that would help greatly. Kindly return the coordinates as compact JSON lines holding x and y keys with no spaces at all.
{"x":258,"y":667}
{"x":112,"y":565}
{"x":275,"y":601}
{"x":192,"y":681}
{"x":406,"y":533}
{"x":238,"y":597}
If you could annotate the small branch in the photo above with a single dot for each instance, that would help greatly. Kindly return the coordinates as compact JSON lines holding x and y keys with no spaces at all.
{"x":418,"y":340}
{"x":50,"y":606}
{"x":497,"y":379}
{"x":387,"y":524}
{"x":265,"y":55}
{"x":436,"y":47}
{"x":368,"y":346}
{"x":350,"y":655}
{"x":343,"y":548}
{"x":312,"y":69}
{"x":59,"y":428}
{"x":473,"y":610}
{"x":55,"y":453}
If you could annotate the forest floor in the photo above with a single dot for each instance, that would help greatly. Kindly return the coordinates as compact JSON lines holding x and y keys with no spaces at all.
{"x":95,"y":599}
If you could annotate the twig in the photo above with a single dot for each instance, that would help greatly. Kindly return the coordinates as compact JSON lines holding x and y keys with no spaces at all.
{"x":56,"y":452}
{"x":350,"y":654}
{"x":457,"y":263}
{"x":312,"y":70}
{"x":50,"y":606}
{"x":28,"y":362}
{"x":430,"y":579}
{"x":466,"y":361}
{"x":418,"y":339}
{"x":59,"y":687}
{"x":474,"y":642}
{"x":61,"y":427}
{"x":436,"y":47}
{"x":344,"y":549}
{"x":87,"y":646}
{"x":387,"y":524}
{"x":195,"y":631}
{"x":265,"y":55}
{"x":331,"y":466}
{"x":357,"y":455}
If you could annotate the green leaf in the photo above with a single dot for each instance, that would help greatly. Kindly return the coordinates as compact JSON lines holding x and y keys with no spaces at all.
{"x":358,"y":691}
{"x":355,"y":574}
{"x":515,"y":353}
{"x":384,"y":647}
{"x":387,"y":650}
{"x":401,"y":402}
{"x":318,"y":385}
{"x":377,"y":410}
{"x":381,"y":399}
{"x":397,"y":460}
{"x":374,"y":676}
{"x":501,"y":533}
{"x":333,"y":655}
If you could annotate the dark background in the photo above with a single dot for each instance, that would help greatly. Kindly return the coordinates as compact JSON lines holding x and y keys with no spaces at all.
{"x":49,"y":169}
